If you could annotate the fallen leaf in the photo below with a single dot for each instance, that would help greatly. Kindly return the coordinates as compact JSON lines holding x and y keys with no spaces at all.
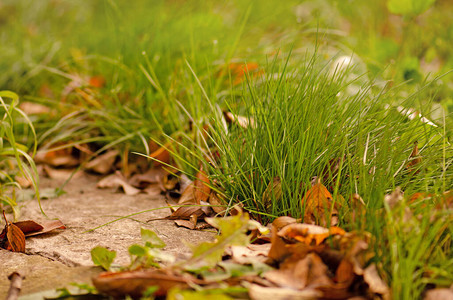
{"x":15,"y":238}
{"x":272,"y":193}
{"x":394,"y":198}
{"x":201,"y":187}
{"x":242,"y":121}
{"x":152,"y":176}
{"x":318,"y":206}
{"x":135,"y":283}
{"x":439,"y":294}
{"x":188,"y":196}
{"x":117,"y":180}
{"x":414,"y":160}
{"x":28,"y":226}
{"x":103,"y":164}
{"x":161,"y":156}
{"x":58,"y":158}
{"x":374,"y":281}
{"x":217,"y":205}
{"x":97,"y":81}
{"x":185,"y":223}
{"x":281,"y":222}
{"x":47,"y":226}
{"x":185,"y":212}
{"x":358,"y":208}
{"x":61,"y":174}
{"x":31,"y":108}
{"x":257,"y":292}
{"x":308,"y":233}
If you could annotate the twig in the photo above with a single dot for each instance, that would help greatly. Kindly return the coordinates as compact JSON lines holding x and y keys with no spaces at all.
{"x":15,"y":285}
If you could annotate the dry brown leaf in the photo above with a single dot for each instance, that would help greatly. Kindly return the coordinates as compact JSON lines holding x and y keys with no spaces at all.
{"x":103,"y":164}
{"x":117,"y":180}
{"x":47,"y":226}
{"x":61,"y":174}
{"x":201,"y":187}
{"x":242,"y":121}
{"x":31,"y":108}
{"x":12,"y":238}
{"x":28,"y":226}
{"x":58,"y":158}
{"x":188,"y":196}
{"x":185,"y":212}
{"x":281,"y":222}
{"x":414,"y":160}
{"x":185,"y":223}
{"x":152,"y":176}
{"x":358,"y":208}
{"x":218,"y":206}
{"x":153,"y":191}
{"x":245,"y":255}
{"x":135,"y":283}
{"x":257,"y":292}
{"x":374,"y":281}
{"x":439,"y":294}
{"x":394,"y":198}
{"x":272,"y":193}
{"x":318,"y":206}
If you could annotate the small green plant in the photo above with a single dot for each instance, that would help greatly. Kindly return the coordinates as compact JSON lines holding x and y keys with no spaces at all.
{"x":14,"y":159}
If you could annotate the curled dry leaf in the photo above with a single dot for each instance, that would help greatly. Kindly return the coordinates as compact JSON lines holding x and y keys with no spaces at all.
{"x":161,"y":156}
{"x":281,"y":222}
{"x":186,"y":212}
{"x":46,"y":226}
{"x":117,"y":180}
{"x":103,"y":164}
{"x":135,"y":283}
{"x":318,"y":206}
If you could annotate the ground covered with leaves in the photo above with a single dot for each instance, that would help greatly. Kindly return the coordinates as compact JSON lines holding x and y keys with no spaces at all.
{"x":313,"y":137}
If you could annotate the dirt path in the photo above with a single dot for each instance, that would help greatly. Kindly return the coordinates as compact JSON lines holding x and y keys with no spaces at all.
{"x":57,"y":259}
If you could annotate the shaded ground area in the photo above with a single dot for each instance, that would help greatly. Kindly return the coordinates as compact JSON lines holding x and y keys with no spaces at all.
{"x":54,"y":260}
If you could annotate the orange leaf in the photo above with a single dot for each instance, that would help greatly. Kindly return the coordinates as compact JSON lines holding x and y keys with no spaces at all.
{"x":318,"y":205}
{"x":161,"y":155}
{"x":97,"y":81}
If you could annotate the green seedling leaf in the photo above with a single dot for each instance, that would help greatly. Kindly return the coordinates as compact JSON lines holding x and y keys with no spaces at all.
{"x":102,"y":257}
{"x":137,"y":250}
{"x":409,"y":7}
{"x":232,"y":233}
{"x":151,"y":239}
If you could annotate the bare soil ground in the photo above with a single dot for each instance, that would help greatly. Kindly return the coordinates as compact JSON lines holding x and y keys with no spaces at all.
{"x":56,"y":259}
